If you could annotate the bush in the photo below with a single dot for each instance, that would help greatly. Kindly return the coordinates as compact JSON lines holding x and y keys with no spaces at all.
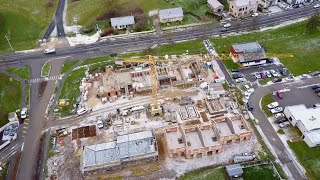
{"x":1,"y":19}
{"x":50,"y":3}
{"x":87,"y":30}
{"x":109,"y":31}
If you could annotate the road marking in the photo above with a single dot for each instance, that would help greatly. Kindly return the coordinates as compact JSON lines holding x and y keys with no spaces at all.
{"x":25,"y":127}
{"x":24,"y":132}
{"x":26,"y":123}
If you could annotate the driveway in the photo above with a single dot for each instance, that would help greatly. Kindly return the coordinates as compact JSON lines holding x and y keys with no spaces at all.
{"x":279,"y":148}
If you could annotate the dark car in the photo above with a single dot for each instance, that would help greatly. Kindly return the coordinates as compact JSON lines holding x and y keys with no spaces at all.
{"x":249,"y":106}
{"x":284,"y":71}
{"x":263,"y":75}
{"x":281,"y":120}
{"x":279,"y":94}
{"x":314,"y":87}
{"x":235,"y":70}
{"x":224,"y":29}
{"x":277,"y":80}
{"x":237,"y":75}
{"x":296,"y":6}
{"x":316,"y":73}
{"x":317,"y":90}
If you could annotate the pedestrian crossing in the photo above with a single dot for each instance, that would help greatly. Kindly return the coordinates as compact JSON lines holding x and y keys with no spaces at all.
{"x":50,"y":78}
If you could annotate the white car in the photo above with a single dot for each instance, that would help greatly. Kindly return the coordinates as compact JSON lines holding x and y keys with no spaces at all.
{"x":276,"y":110}
{"x":49,"y":51}
{"x":246,"y":95}
{"x":257,"y":75}
{"x":273,"y":105}
{"x":82,"y":111}
{"x":217,"y":80}
{"x":227,"y":25}
{"x":23,"y":114}
{"x":284,"y":124}
{"x":250,"y":90}
{"x":274,"y":73}
{"x":99,"y":124}
{"x":254,"y":14}
{"x":239,"y":80}
{"x":268,"y":74}
{"x":279,"y":115}
{"x":317,"y":6}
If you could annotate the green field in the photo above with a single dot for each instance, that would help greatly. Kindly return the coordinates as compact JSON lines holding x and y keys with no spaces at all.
{"x":308,"y":157}
{"x":67,"y":65}
{"x":46,"y":68}
{"x":10,"y":97}
{"x":208,"y":173}
{"x":267,"y":99}
{"x":263,"y":172}
{"x":23,"y":72}
{"x":24,"y":23}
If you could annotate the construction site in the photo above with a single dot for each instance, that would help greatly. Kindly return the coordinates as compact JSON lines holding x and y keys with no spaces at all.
{"x":152,"y":118}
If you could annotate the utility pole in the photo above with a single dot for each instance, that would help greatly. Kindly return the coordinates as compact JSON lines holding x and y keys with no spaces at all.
{"x":8,"y":42}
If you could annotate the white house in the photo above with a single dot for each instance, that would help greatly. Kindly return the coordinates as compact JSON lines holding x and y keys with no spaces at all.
{"x":242,"y":8}
{"x":122,"y":22}
{"x":171,"y":15}
{"x":308,"y":122}
{"x":215,"y":6}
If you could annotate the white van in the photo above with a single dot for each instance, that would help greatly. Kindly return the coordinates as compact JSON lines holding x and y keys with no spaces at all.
{"x":49,"y":51}
{"x":82,"y":111}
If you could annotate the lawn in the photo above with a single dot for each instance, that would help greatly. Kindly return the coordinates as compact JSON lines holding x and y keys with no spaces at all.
{"x":22,"y":72}
{"x":10,"y":97}
{"x":287,"y":40}
{"x":46,"y":68}
{"x":67,"y":65}
{"x":24,"y":23}
{"x":208,"y":173}
{"x":263,"y":172}
{"x":229,"y":64}
{"x":264,"y":81}
{"x":267,"y":99}
{"x":308,"y":157}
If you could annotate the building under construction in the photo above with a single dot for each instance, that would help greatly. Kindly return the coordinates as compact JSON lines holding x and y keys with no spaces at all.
{"x":126,"y":150}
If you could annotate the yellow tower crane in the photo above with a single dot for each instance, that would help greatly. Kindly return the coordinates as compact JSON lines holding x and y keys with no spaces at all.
{"x":154,"y":82}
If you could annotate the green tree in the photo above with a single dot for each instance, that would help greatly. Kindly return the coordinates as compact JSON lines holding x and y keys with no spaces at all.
{"x":313,"y":23}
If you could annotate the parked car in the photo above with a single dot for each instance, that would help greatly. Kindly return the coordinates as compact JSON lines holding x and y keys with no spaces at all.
{"x":279,"y":115}
{"x":316,"y":73}
{"x":249,"y":106}
{"x":246,"y":87}
{"x":317,"y":90}
{"x":23,"y":113}
{"x":290,"y":78}
{"x":273,"y":105}
{"x":279,"y":95}
{"x":317,"y":105}
{"x":276,"y":110}
{"x":284,"y":124}
{"x":268,"y":74}
{"x":263,"y":75}
{"x":304,"y":76}
{"x":274,"y":73}
{"x":314,"y":87}
{"x":82,"y":111}
{"x":254,"y":14}
{"x":235,"y":70}
{"x":281,"y":120}
{"x":227,"y":25}
{"x":284,"y":71}
{"x":240,"y":80}
{"x":257,"y":75}
{"x":246,"y":95}
{"x":237,"y":75}
{"x":317,"y":6}
{"x":99,"y":124}
{"x":277,"y":80}
{"x":49,"y":51}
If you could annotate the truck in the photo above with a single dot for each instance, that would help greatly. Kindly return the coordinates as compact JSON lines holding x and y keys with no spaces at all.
{"x":49,"y":51}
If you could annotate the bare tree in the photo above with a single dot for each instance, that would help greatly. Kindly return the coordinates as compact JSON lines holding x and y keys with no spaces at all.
{"x":238,"y":25}
{"x":254,"y":22}
{"x":313,"y":23}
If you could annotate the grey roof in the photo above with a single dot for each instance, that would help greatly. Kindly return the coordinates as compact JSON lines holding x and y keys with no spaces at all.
{"x":171,"y":13}
{"x":234,"y":169}
{"x":251,"y":47}
{"x":126,"y":147}
{"x":121,"y":21}
{"x":215,"y":3}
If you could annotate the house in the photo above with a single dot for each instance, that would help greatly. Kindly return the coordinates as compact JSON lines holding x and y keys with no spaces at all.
{"x":242,"y":8}
{"x":248,"y":54}
{"x":171,"y":15}
{"x":234,"y":170}
{"x":293,"y":2}
{"x":125,"y":22}
{"x":126,"y":150}
{"x":215,"y":6}
{"x":307,"y":120}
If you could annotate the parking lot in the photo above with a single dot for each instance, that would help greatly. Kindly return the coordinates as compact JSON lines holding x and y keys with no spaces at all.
{"x":248,"y":72}
{"x":305,"y":96}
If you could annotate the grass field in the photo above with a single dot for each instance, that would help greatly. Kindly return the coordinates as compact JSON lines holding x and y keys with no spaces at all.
{"x":23,"y":72}
{"x":263,"y":172}
{"x":67,"y":65}
{"x":208,"y":173}
{"x":24,"y":23}
{"x":267,"y":99}
{"x":308,"y":157}
{"x":10,"y":97}
{"x":46,"y":68}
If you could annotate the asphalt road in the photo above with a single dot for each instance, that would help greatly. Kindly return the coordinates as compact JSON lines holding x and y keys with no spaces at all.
{"x":265,"y":125}
{"x":131,"y":43}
